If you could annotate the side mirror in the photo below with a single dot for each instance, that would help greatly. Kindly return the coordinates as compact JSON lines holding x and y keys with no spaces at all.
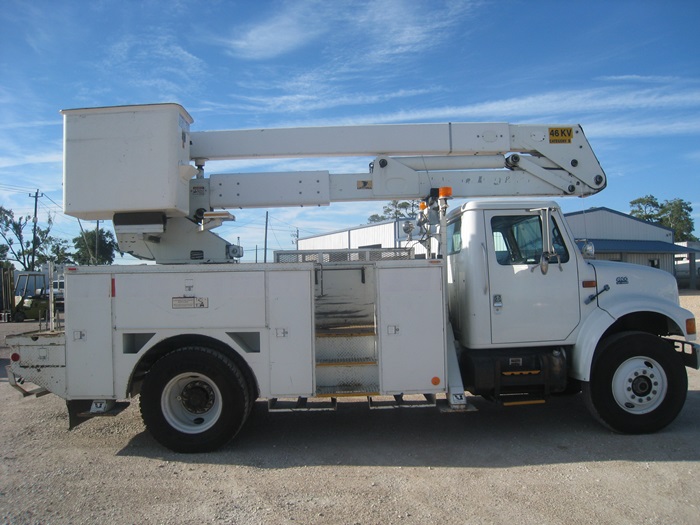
{"x":588,"y":250}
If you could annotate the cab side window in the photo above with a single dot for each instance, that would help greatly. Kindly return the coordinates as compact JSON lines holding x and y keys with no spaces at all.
{"x":454,"y":237}
{"x":517,"y":239}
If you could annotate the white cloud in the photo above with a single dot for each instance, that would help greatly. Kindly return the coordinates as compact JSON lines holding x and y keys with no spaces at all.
{"x":323,"y":98}
{"x":296,"y":26}
{"x":652,"y":79}
{"x":32,"y":158}
{"x":562,"y":102}
{"x":157,"y":64}
{"x":29,"y":124}
{"x":397,"y":28}
{"x":366,"y":42}
{"x":606,"y":111}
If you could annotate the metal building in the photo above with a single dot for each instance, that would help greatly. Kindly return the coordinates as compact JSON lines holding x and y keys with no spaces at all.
{"x":616,"y":236}
{"x":621,"y":237}
{"x":386,"y":234}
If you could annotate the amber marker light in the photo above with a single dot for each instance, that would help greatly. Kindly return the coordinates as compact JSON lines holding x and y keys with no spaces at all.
{"x":445,"y":192}
{"x":435,"y":381}
{"x":589,"y":284}
{"x":422,"y":205}
{"x":690,"y":326}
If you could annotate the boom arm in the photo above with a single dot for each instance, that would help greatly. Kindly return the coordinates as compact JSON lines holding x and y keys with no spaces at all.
{"x":132,"y":164}
{"x":469,"y":157}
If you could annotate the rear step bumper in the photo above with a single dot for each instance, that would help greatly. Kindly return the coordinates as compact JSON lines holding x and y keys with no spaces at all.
{"x":18,"y":384}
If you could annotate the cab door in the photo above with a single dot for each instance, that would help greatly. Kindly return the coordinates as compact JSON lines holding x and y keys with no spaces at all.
{"x":528,"y":305}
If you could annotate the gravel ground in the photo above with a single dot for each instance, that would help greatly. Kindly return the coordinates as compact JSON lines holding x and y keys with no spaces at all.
{"x":538,"y":464}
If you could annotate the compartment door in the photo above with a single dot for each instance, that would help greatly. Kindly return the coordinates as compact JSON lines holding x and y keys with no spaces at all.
{"x":290,"y":311}
{"x":89,"y":359}
{"x":411,"y":330}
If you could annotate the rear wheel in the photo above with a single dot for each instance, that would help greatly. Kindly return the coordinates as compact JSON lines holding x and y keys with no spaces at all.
{"x":194,"y":400}
{"x":638,"y":383}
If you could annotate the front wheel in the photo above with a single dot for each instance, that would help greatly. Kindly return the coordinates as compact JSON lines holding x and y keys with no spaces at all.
{"x":638,"y":383}
{"x":194,"y":399}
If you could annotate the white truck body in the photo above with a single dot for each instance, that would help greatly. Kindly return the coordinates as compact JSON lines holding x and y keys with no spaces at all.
{"x":273,"y":315}
{"x":508,"y":308}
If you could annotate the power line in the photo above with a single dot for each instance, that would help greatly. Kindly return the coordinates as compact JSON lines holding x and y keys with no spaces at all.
{"x":16,"y":189}
{"x":57,"y":204}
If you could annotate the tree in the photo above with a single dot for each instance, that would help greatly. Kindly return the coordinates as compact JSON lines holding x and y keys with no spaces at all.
{"x":55,"y":250}
{"x":85,"y":247}
{"x":23,"y":246}
{"x":645,"y":208}
{"x":674,"y":214}
{"x":396,"y":210}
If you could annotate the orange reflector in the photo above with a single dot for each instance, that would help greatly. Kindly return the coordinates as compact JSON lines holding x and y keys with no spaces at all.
{"x":435,"y":381}
{"x":445,"y":192}
{"x":526,"y":402}
{"x":422,"y":205}
{"x":589,"y":284}
{"x":690,"y":326}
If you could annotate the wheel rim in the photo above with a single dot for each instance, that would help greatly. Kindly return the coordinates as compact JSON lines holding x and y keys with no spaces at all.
{"x":639,"y":385}
{"x":191,"y":403}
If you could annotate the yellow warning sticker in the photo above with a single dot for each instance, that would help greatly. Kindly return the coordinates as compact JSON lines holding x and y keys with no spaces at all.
{"x":560,"y":135}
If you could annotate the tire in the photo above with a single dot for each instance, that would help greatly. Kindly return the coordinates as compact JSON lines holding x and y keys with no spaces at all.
{"x":19,"y":317}
{"x":194,"y":399}
{"x":638,"y":383}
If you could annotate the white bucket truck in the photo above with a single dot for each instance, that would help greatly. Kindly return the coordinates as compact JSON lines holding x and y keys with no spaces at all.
{"x":504,"y":306}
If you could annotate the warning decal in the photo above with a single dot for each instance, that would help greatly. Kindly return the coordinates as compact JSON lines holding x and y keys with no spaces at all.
{"x":560,"y":135}
{"x":190,"y":302}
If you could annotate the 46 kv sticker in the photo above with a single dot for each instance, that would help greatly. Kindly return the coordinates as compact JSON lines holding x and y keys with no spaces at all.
{"x":560,"y":135}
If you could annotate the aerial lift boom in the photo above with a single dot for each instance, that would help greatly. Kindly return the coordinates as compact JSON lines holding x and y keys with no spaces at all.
{"x":169,"y":221}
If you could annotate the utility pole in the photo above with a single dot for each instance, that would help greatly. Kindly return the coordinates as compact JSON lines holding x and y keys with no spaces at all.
{"x":267,"y":216}
{"x":97,"y":241}
{"x":35,"y":220}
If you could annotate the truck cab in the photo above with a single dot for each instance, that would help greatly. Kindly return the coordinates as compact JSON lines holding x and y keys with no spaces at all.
{"x":532,"y":316}
{"x":504,"y":285}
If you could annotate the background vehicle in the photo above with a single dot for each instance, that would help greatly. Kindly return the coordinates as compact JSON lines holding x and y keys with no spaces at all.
{"x":31,"y":299}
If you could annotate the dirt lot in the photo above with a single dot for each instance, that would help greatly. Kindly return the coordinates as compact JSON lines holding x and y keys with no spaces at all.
{"x":536,"y":464}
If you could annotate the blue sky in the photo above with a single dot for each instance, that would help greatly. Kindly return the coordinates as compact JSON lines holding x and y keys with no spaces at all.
{"x":628,"y":71}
